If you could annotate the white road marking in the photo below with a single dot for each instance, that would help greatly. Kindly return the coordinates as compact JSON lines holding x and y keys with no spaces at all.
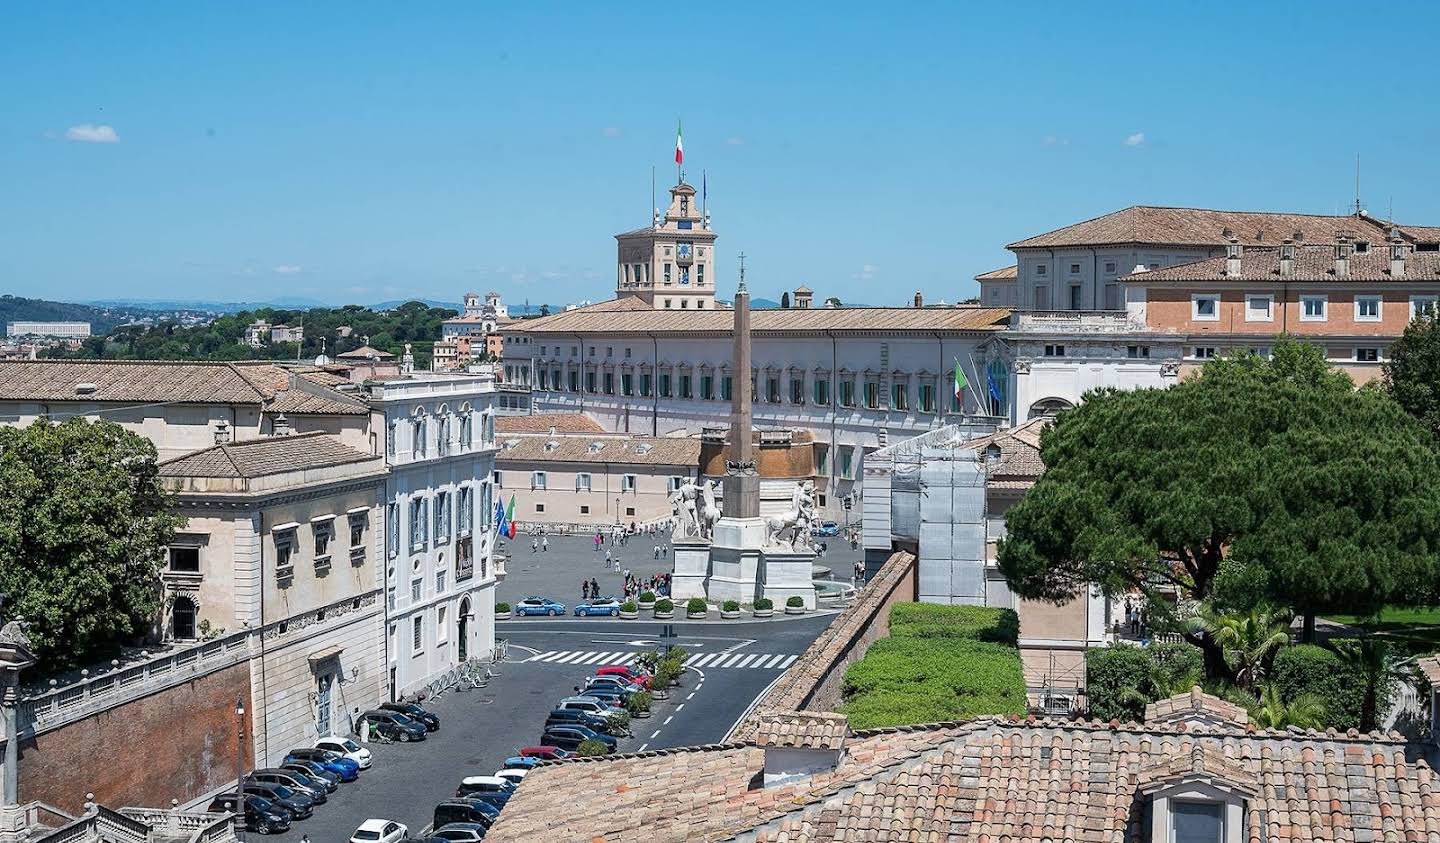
{"x":642,"y":747}
{"x":789,"y":660}
{"x":678,"y":707}
{"x":773,"y":660}
{"x":667,"y":720}
{"x":724,"y":660}
{"x":552,"y":655}
{"x":657,"y":732}
{"x":628,"y":658}
{"x":692,"y":693}
{"x":745,"y":661}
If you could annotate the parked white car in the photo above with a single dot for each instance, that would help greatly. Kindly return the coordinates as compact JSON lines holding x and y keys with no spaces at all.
{"x":346,"y":747}
{"x":590,"y":705}
{"x":513,"y":776}
{"x":380,"y":831}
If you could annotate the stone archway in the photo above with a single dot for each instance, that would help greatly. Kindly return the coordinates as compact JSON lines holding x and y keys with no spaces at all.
{"x":1048,"y":407}
{"x":462,"y":622}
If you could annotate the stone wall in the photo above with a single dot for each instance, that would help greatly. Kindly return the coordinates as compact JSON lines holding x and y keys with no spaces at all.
{"x":178,"y":743}
{"x":813,"y":682}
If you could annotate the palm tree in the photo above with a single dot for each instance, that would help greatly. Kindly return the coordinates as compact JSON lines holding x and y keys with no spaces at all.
{"x":1268,"y":710}
{"x":1248,"y":641}
{"x":1373,"y":659}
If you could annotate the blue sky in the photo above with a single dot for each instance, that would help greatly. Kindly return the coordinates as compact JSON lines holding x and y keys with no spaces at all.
{"x":369,"y":151}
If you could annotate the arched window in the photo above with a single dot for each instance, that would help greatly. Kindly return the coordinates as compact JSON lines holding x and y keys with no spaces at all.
{"x":1048,"y":407}
{"x":182,"y":618}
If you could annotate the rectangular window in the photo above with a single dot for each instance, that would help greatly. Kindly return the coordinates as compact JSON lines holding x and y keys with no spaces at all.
{"x":419,"y":525}
{"x":1422,"y":306}
{"x":822,"y":391}
{"x":1137,"y":352}
{"x":465,"y":520}
{"x":847,"y":392}
{"x":574,"y":381}
{"x":667,"y":273}
{"x":727,"y":387}
{"x":185,"y":560}
{"x":664,"y":384}
{"x":1367,"y":355}
{"x":538,"y":479}
{"x":390,"y":440}
{"x":899,"y":396}
{"x":675,"y":483}
{"x":322,"y":538}
{"x":440,"y":581}
{"x":1205,"y":307}
{"x":772,"y":390}
{"x":357,"y":530}
{"x":797,"y":390}
{"x":847,"y":455}
{"x":1312,"y":308}
{"x":1196,"y":822}
{"x":392,"y":529}
{"x":609,"y":383}
{"x":1054,"y":351}
{"x":872,"y":395}
{"x":707,"y":387}
{"x":1075,"y":297}
{"x":442,"y":516}
{"x":685,"y":386}
{"x":927,"y":397}
{"x":822,"y":460}
{"x":627,"y":354}
{"x":590,"y":382}
{"x":584,"y":509}
{"x":582,"y":482}
{"x":645,"y":389}
{"x":609,"y":351}
{"x":417,"y":634}
{"x":1041,"y":269}
{"x":1367,"y":308}
{"x":627,"y":482}
{"x":700,"y":276}
{"x":1074,"y":269}
{"x":1109,"y":267}
{"x":1259,"y":308}
{"x":415,"y":587}
{"x":627,"y":383}
{"x":442,"y":633}
{"x":1204,"y":352}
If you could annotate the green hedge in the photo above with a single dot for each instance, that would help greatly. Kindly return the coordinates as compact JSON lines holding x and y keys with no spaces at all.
{"x":934,"y":620}
{"x":939,"y":663}
{"x":1308,"y":669}
{"x":1121,"y":680}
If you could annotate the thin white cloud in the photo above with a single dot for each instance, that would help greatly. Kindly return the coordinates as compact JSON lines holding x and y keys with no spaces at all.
{"x":735,"y":141}
{"x":91,"y":133}
{"x":287,"y":269}
{"x":611,"y":131}
{"x":1137,"y":139}
{"x":1055,"y":140}
{"x":867,"y":272}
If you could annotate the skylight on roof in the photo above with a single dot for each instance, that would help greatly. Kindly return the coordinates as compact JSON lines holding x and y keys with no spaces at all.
{"x":596,"y":447}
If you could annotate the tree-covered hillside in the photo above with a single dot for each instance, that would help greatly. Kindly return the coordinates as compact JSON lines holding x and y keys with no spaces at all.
{"x":387,"y":330}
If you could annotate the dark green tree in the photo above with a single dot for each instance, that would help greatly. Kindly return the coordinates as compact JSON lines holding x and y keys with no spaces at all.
{"x":1314,"y":495}
{"x":83,"y":524}
{"x":785,"y":300}
{"x":1412,"y":374}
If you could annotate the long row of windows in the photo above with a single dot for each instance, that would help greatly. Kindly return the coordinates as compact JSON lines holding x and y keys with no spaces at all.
{"x":1260,"y":307}
{"x":1358,"y":354}
{"x":439,"y":517}
{"x":707,"y":387}
{"x":439,"y":434}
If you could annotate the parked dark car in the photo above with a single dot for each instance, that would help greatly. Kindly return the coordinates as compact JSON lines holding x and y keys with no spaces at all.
{"x":431,"y":722}
{"x":295,"y":781}
{"x":261,"y":814}
{"x":466,"y":811}
{"x":299,"y":805}
{"x":568,"y":716}
{"x":459,"y":832}
{"x":570,"y":737}
{"x":392,"y":725}
{"x":346,"y":768}
{"x":612,"y":696}
{"x":315,"y":771}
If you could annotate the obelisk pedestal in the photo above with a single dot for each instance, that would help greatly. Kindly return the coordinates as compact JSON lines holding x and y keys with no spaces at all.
{"x":692,"y":568}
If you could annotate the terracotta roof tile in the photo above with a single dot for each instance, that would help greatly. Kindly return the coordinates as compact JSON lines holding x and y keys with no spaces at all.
{"x":531,"y":449}
{"x":1195,"y":705}
{"x":1202,"y":227}
{"x":268,"y":455}
{"x":1006,"y":273}
{"x":300,"y":403}
{"x":1312,"y":263}
{"x":542,"y":422}
{"x":812,"y":730}
{"x":138,"y":380}
{"x":1019,"y":446}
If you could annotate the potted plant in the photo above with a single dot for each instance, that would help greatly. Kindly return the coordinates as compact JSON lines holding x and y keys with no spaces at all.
{"x":660,"y":681}
{"x":619,"y":725}
{"x":730,"y":609}
{"x":502,"y":609}
{"x":764,"y":608}
{"x":647,"y":600}
{"x":590,"y":748}
{"x":795,"y":606}
{"x":639,"y":705}
{"x":628,"y":610}
{"x":664,"y":608}
{"x":696,"y":607}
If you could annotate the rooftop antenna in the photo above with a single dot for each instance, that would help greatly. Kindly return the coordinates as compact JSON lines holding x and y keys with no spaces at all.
{"x":1357,"y":185}
{"x":654,"y":209}
{"x":742,"y":274}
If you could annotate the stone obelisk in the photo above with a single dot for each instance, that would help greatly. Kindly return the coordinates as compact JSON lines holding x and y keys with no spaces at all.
{"x":742,"y":482}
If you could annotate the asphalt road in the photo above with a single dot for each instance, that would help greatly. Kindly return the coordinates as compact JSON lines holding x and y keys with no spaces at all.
{"x":547,"y":658}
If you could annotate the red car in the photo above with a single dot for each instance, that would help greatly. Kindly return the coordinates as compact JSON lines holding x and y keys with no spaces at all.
{"x":622,"y":672}
{"x":550,"y":753}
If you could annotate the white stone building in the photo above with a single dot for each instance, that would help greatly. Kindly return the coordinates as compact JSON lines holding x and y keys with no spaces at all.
{"x":440,"y":576}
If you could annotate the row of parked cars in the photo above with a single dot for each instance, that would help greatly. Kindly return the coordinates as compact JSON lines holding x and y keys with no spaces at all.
{"x":590,"y":608}
{"x":275,"y":797}
{"x":596,"y":712}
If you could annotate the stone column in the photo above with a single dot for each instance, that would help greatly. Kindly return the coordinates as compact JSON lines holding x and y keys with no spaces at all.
{"x":742,"y":481}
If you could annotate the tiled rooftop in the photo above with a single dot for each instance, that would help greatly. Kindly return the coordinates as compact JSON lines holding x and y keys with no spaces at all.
{"x":811,"y":730}
{"x":542,"y":422}
{"x":1005,"y":273}
{"x":529,"y":449}
{"x":1019,"y":459}
{"x":268,"y":455}
{"x":1312,"y":263}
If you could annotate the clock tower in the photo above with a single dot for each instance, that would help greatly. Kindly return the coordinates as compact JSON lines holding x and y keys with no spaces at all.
{"x":671,"y":264}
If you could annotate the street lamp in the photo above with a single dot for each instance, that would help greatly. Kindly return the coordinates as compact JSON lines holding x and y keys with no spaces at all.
{"x":240,"y":766}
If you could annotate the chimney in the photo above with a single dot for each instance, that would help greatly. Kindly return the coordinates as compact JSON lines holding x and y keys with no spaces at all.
{"x":222,"y":432}
{"x":1287,"y":258}
{"x":799,"y":744}
{"x":1233,"y":251}
{"x":1397,"y":254}
{"x":280,"y":426}
{"x":919,"y":299}
{"x":1343,"y":247}
{"x":407,"y":361}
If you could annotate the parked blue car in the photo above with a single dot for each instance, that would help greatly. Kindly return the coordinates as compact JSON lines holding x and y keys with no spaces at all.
{"x":346,"y":769}
{"x":598,"y":606}
{"x":539,"y":606}
{"x":520,"y":762}
{"x":826,"y":529}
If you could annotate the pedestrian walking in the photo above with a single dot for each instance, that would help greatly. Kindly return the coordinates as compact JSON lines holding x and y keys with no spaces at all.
{"x":594,"y":588}
{"x":584,"y":590}
{"x":597,"y":542}
{"x":545,"y":544}
{"x":657,"y":551}
{"x":627,"y":575}
{"x":664,"y":550}
{"x":607,"y":558}
{"x":534,"y":545}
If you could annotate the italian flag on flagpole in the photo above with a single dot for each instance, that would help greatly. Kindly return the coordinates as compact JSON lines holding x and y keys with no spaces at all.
{"x":679,"y":146}
{"x":960,"y":384}
{"x":510,"y":516}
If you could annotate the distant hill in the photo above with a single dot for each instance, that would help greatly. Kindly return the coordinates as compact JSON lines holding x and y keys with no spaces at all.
{"x":763,"y":304}
{"x":391,"y":305}
{"x":103,"y":318}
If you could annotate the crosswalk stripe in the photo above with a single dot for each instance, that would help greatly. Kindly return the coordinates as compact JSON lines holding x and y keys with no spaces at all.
{"x":609,"y":658}
{"x":704,"y":659}
{"x":591,"y":659}
{"x":789,"y":660}
{"x":629,"y":657}
{"x":538,"y":656}
{"x":606,"y":658}
{"x":573,"y":657}
{"x":774,"y":660}
{"x":730,"y":660}
{"x":745,"y":660}
{"x":554,"y":655}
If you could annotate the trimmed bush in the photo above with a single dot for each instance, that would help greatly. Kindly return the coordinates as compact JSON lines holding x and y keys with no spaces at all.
{"x":664,"y":604}
{"x":620,"y":723}
{"x":502,"y":608}
{"x":934,"y":620}
{"x":647,"y":597}
{"x":1308,"y":669}
{"x":764,"y":603}
{"x":638,"y":702}
{"x":629,"y":606}
{"x":696,"y":604}
{"x":795,"y":602}
{"x":1117,"y":683}
{"x":590,"y":748}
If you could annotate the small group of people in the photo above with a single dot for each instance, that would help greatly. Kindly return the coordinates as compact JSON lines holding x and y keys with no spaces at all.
{"x":1136,"y":619}
{"x":589,"y":589}
{"x":540,"y":545}
{"x":658,"y":583}
{"x":661,"y":550}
